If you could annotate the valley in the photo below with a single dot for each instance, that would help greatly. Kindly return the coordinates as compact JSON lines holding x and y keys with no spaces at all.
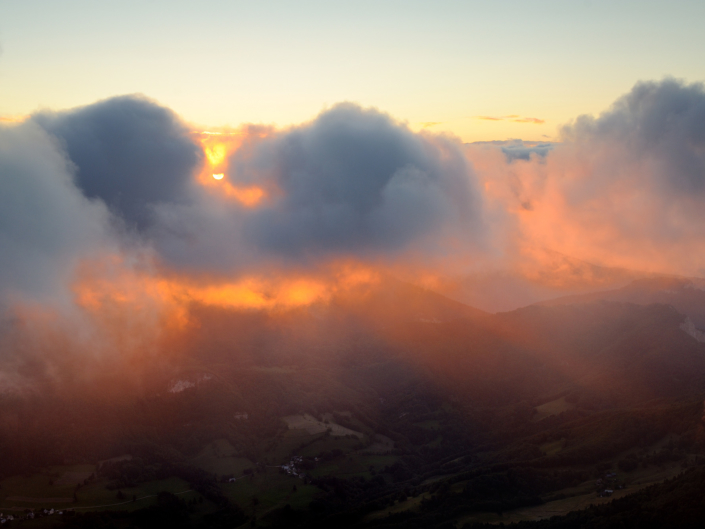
{"x":395,"y":408}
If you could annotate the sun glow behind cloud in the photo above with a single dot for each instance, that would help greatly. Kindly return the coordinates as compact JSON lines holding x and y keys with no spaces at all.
{"x":217,"y":147}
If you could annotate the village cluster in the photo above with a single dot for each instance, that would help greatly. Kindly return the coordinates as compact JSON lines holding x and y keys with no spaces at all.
{"x":607,"y":485}
{"x":30,"y":515}
{"x":291,"y":467}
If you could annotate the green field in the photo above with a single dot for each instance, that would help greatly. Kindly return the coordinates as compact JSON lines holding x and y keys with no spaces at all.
{"x":410,"y":504}
{"x":35,"y":492}
{"x":552,"y":447}
{"x":269,"y":490}
{"x":353,"y":465}
{"x":554,"y":407}
{"x":220,"y":458}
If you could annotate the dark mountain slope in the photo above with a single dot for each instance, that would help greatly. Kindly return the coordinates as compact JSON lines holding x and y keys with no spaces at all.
{"x":687,"y":295}
{"x":676,"y":503}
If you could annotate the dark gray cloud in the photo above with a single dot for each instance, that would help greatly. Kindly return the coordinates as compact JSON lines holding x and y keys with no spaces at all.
{"x":352,"y":181}
{"x":46,"y":224}
{"x":355,"y":180}
{"x":660,"y":125}
{"x":128,"y":151}
{"x":519,"y":149}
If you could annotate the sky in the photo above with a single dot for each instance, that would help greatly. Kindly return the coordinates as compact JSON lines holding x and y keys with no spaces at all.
{"x":478,"y":70}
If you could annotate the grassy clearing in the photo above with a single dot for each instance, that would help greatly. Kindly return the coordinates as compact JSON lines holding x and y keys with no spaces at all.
{"x":313,"y":426}
{"x":266,"y":491}
{"x":327,"y":444}
{"x":292,"y":441}
{"x":96,"y":494}
{"x":553,"y":447}
{"x":436,"y":442}
{"x":220,"y":458}
{"x":353,"y":465}
{"x":554,"y":407}
{"x":73,"y":478}
{"x":411,"y":504}
{"x":36,"y":487}
{"x":381,"y":445}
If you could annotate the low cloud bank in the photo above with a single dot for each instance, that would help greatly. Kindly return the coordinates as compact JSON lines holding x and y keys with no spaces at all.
{"x":103,"y":211}
{"x":622,"y":189}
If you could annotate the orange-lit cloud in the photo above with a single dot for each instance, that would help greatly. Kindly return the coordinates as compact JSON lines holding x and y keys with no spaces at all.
{"x":278,"y":292}
{"x":112,"y":281}
{"x":622,"y":190}
{"x":529,"y":120}
{"x":513,"y":118}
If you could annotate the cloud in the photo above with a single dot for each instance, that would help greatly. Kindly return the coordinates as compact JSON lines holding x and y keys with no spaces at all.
{"x":623,"y":189}
{"x":513,"y":118}
{"x":518,"y":149}
{"x":348,"y":191}
{"x":351,"y":182}
{"x":66,"y":310}
{"x":537,"y":121}
{"x":46,"y":224}
{"x":129,"y":152}
{"x":659,"y":126}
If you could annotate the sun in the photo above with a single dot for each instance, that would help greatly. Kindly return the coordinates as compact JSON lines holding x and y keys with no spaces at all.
{"x":218,"y":176}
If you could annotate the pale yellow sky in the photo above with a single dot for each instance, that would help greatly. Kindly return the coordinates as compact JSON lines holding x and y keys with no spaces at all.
{"x":439,"y":65}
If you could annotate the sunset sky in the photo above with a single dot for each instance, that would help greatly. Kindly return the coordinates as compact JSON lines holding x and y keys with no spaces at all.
{"x":479,"y":70}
